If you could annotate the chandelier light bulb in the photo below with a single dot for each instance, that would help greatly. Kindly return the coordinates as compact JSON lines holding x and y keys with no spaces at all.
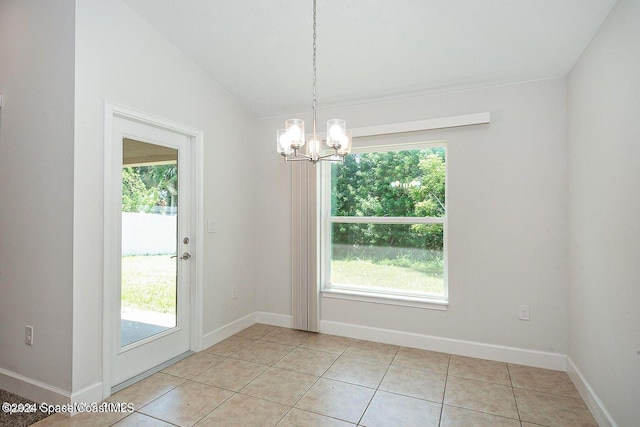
{"x":295,"y":132}
{"x":283,"y":143}
{"x":336,"y":133}
{"x":313,"y":147}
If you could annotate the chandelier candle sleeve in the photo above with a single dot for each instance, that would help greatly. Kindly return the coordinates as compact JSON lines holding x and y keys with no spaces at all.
{"x":345,"y":147}
{"x":283,"y":143}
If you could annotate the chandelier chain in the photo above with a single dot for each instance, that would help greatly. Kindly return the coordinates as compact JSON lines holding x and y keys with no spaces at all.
{"x":314,"y":70}
{"x":291,"y":139}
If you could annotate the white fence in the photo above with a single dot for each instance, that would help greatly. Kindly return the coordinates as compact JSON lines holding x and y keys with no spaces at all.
{"x":148,"y":234}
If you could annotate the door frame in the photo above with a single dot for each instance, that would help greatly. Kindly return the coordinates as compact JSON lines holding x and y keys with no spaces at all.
{"x":196,"y":266}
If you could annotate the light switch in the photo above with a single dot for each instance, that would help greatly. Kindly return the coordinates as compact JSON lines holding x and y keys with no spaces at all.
{"x":211,"y":226}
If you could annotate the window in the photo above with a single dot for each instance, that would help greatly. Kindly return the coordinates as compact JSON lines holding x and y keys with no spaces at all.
{"x":384,"y":224}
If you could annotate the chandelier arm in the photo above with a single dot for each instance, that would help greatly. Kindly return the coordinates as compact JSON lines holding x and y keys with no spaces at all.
{"x":333,"y":156}
{"x":297,"y":155}
{"x":305,"y":158}
{"x":298,"y":159}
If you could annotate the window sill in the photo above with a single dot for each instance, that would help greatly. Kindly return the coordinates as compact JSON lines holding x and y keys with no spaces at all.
{"x":378,"y":298}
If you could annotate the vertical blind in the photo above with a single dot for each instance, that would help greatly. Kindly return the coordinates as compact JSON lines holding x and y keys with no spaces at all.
{"x":304,"y":245}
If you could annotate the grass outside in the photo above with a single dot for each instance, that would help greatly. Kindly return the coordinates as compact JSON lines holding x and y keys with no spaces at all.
{"x":149,"y":283}
{"x":369,"y":274}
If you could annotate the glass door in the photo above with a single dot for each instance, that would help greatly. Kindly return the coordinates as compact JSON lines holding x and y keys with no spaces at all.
{"x":150,"y":293}
{"x":149,"y":266}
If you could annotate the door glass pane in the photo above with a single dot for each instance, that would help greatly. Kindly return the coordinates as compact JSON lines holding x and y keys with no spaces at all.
{"x":149,"y":240}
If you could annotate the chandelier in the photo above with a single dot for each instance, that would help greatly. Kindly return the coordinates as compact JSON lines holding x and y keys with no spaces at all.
{"x":291,"y":139}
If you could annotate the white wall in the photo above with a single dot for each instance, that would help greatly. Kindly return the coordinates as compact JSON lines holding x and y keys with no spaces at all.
{"x":507,"y":219}
{"x":604,"y":177}
{"x":36,"y":191}
{"x":119,"y":56}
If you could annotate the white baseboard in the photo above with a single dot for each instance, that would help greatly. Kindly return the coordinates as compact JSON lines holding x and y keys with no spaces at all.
{"x":228,"y":330}
{"x":595,"y":405}
{"x":236,"y":326}
{"x":33,"y":390}
{"x":518,"y":356}
{"x":40,"y":392}
{"x":282,"y":320}
{"x":91,"y":394}
{"x":479,"y":350}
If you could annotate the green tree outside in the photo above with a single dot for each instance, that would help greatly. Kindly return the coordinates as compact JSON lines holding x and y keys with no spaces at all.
{"x":407,"y":183}
{"x":146,"y":187}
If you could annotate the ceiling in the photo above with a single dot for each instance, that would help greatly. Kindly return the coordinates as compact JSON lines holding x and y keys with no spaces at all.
{"x":260,"y":51}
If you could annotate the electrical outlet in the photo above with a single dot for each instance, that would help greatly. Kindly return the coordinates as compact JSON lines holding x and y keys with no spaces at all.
{"x":28,"y":335}
{"x":234,"y":292}
{"x":523,"y":312}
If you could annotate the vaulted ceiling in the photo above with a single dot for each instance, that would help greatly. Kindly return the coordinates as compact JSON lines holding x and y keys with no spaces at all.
{"x":261,"y":50}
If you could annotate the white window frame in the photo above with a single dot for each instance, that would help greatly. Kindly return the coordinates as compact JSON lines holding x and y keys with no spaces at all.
{"x":436,"y":302}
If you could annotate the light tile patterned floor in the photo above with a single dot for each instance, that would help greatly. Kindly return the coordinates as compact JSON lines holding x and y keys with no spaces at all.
{"x":269,"y":376}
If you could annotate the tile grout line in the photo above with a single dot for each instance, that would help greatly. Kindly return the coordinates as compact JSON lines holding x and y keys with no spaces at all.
{"x":166,"y":392}
{"x":318,"y":379}
{"x":234,"y":393}
{"x":375,"y":389}
{"x":513,"y":391}
{"x":444,"y":390}
{"x":291,"y":407}
{"x":144,"y":415}
{"x":378,"y":386}
{"x":314,"y":383}
{"x":448,"y":374}
{"x":488,"y":413}
{"x":256,"y":341}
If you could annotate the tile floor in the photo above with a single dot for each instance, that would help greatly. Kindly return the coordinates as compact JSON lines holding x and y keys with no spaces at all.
{"x":269,"y":376}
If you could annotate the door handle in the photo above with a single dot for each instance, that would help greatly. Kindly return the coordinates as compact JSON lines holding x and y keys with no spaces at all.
{"x":185,"y":255}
